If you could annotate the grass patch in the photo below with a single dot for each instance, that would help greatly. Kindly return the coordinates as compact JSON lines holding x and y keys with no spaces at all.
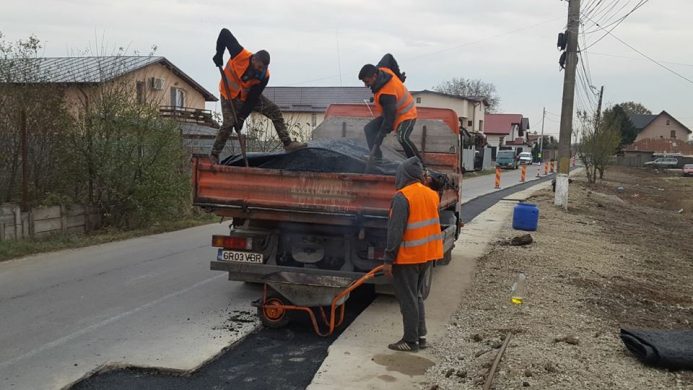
{"x":13,"y":249}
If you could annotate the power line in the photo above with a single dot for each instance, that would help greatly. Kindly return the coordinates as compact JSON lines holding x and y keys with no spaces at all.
{"x":648,"y":57}
{"x":635,"y":58}
{"x":615,"y":24}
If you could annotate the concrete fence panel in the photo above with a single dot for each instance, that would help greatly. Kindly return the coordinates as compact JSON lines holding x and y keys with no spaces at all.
{"x":45,"y":221}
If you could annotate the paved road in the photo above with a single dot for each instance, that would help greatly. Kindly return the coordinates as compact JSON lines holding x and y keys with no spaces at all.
{"x":149,"y":302}
{"x":295,"y":351}
{"x":473,"y":187}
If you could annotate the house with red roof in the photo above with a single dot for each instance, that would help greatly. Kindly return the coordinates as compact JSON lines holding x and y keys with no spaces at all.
{"x":506,"y":131}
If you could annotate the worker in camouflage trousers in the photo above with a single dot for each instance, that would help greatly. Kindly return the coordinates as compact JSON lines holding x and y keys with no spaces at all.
{"x":247,"y":74}
{"x":414,"y":242}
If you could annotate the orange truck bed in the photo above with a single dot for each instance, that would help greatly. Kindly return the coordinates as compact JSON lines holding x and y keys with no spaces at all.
{"x":294,"y":196}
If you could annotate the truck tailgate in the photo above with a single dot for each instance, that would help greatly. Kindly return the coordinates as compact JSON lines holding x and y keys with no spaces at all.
{"x":219,"y":185}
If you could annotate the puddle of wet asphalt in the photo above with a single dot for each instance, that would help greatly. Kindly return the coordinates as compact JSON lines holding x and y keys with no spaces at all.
{"x":404,"y":363}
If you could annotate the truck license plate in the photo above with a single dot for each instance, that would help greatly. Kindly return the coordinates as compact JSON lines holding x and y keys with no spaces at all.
{"x":243,"y":257}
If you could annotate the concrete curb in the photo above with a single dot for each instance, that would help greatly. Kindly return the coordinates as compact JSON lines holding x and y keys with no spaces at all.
{"x":359,"y":358}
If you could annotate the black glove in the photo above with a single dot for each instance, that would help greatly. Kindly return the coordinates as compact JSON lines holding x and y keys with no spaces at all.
{"x":218,"y":59}
{"x":403,"y":76}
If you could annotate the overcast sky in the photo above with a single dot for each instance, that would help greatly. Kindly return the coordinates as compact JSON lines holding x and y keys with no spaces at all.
{"x":511,"y":43}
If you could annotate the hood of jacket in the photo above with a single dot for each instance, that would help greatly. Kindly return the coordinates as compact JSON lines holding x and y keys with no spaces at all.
{"x":380,"y":81}
{"x":409,"y":171}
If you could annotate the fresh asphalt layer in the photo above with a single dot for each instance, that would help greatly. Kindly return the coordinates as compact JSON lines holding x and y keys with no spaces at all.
{"x":285,"y":358}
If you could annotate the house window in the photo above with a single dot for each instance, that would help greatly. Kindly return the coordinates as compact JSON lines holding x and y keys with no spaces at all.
{"x":139,"y":91}
{"x":668,"y":122}
{"x":673,"y":134}
{"x":418,"y":100}
{"x":481,"y":126}
{"x":314,"y":119}
{"x":177,"y":97}
{"x":470,"y":123}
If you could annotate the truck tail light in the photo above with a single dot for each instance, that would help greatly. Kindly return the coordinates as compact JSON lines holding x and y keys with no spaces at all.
{"x":228,"y":242}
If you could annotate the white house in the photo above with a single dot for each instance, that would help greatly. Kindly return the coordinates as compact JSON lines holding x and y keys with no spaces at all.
{"x":470,"y":110}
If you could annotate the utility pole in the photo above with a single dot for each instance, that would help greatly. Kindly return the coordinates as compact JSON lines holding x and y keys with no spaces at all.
{"x":566,"y":132}
{"x":541,"y":139}
{"x":599,"y":109}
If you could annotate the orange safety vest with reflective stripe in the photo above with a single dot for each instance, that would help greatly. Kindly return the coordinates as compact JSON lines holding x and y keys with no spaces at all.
{"x":234,"y":69}
{"x":406,"y":109}
{"x":422,"y":240}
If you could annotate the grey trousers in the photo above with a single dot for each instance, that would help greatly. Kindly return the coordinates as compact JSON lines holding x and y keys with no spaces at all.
{"x":408,"y":281}
{"x":372,"y":130}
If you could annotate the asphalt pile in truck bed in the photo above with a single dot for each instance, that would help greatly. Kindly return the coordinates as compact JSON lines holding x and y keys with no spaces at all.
{"x":335,"y":155}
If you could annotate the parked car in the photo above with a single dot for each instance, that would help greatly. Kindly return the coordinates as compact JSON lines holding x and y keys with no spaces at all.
{"x":525,"y":158}
{"x":663,"y":162}
{"x":506,"y":159}
{"x":688,"y":170}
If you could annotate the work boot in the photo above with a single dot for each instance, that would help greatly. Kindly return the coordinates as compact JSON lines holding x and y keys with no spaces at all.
{"x":214,"y":158}
{"x":293,"y":146}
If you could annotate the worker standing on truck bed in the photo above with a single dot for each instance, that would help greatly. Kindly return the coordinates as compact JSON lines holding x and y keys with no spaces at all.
{"x":247,"y":76}
{"x":414,"y":240}
{"x":395,"y":104}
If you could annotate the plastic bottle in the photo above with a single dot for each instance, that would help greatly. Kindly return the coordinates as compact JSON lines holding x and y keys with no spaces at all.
{"x":519,"y":289}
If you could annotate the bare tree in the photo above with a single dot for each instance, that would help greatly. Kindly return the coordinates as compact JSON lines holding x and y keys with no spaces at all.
{"x":597,"y":145}
{"x":263,"y":138}
{"x":28,"y":100}
{"x":460,"y":86}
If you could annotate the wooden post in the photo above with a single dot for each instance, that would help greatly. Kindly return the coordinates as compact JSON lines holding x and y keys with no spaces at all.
{"x":25,"y":163}
{"x":546,"y":168}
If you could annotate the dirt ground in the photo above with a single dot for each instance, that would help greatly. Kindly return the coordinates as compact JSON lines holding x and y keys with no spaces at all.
{"x":621,"y":257}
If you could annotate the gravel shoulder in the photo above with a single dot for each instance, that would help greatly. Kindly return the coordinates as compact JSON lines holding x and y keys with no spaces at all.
{"x":621,"y":257}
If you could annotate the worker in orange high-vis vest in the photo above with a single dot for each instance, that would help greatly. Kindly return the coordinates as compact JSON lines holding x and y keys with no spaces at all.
{"x":393,"y":102}
{"x":414,"y":241}
{"x":247,"y":74}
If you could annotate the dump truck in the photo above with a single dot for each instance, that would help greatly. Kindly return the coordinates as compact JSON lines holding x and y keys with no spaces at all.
{"x":325,"y":224}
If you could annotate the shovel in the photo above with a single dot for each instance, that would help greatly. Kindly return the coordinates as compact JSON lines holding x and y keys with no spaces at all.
{"x":241,"y":137}
{"x":371,"y":156}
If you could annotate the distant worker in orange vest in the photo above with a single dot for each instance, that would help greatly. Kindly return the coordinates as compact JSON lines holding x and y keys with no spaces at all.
{"x":247,"y":74}
{"x":414,"y":240}
{"x":395,"y":104}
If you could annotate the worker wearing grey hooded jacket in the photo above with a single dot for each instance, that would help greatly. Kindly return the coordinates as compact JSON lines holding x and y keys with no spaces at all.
{"x":409,"y":278}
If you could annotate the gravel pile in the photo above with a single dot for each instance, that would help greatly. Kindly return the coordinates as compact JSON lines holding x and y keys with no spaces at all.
{"x":584,"y":282}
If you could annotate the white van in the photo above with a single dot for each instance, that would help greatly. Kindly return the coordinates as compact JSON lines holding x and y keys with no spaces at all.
{"x":526,"y":158}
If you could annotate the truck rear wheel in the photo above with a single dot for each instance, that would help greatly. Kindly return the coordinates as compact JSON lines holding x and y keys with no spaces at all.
{"x":272,"y":315}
